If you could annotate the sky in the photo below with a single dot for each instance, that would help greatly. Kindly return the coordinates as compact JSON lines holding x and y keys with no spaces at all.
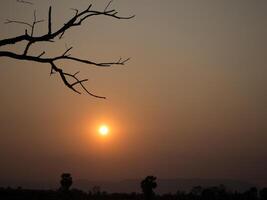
{"x":190,"y":103}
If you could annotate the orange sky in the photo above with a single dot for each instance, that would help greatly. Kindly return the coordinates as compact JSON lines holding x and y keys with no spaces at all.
{"x":190,"y":103}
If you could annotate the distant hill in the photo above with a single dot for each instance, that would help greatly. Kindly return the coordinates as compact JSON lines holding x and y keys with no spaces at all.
{"x":164,"y":185}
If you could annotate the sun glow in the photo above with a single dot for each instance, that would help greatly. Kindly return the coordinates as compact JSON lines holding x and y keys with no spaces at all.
{"x":103,"y":130}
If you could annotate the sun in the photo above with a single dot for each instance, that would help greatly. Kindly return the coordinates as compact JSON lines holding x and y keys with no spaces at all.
{"x":103,"y":130}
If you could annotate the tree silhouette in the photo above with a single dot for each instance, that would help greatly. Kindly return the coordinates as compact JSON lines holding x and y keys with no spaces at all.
{"x":148,"y":185}
{"x":71,"y":80}
{"x":66,"y":181}
{"x":252,"y":194}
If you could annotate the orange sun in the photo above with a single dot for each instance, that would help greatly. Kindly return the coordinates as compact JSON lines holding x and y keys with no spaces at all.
{"x":103,"y":130}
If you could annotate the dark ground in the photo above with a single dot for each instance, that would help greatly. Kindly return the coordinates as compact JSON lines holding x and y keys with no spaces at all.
{"x":197,"y":193}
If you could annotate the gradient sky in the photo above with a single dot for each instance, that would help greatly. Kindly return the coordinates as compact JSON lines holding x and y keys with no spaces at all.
{"x":190,"y":103}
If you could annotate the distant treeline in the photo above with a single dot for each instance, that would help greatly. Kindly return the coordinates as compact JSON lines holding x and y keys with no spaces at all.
{"x":148,"y":185}
{"x":197,"y":193}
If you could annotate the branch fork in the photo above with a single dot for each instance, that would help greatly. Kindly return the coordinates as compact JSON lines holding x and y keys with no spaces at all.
{"x":70,"y":80}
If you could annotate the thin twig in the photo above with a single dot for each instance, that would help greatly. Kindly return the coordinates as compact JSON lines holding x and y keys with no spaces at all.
{"x":8,"y":21}
{"x":25,"y":2}
{"x":41,"y":54}
{"x":108,"y":5}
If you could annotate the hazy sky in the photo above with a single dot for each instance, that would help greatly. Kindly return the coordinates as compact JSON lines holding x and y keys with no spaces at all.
{"x":190,"y":103}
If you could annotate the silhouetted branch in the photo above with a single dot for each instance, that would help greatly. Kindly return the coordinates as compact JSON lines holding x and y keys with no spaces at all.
{"x":50,"y":20}
{"x":70,"y":80}
{"x":63,"y":74}
{"x":108,"y":5}
{"x":35,"y":21}
{"x":41,"y":54}
{"x":64,"y":54}
{"x":76,"y":20}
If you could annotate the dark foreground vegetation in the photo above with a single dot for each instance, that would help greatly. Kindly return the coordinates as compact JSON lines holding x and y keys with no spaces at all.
{"x":147,"y":185}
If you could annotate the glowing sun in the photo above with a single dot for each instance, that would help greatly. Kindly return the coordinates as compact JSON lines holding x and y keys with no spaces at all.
{"x":103,"y":130}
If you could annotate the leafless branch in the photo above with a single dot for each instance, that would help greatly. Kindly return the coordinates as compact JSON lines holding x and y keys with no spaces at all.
{"x":76,"y":10}
{"x":70,"y":80}
{"x":50,"y":20}
{"x":63,"y":74}
{"x":74,"y":21}
{"x":68,"y":49}
{"x":41,"y":54}
{"x":108,"y":5}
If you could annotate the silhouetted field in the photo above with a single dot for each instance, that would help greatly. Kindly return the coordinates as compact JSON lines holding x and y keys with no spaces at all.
{"x":197,"y":193}
{"x":148,"y":185}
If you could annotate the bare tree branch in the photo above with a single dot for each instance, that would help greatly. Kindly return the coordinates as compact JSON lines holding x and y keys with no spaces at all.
{"x":108,"y":5}
{"x":41,"y":54}
{"x":50,"y":20}
{"x":63,"y":74}
{"x":74,"y":21}
{"x":70,"y":80}
{"x":68,"y":49}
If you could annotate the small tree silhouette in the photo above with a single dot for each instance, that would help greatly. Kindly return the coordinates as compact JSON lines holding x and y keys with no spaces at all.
{"x":252,"y":194}
{"x":66,"y":181}
{"x":147,"y":185}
